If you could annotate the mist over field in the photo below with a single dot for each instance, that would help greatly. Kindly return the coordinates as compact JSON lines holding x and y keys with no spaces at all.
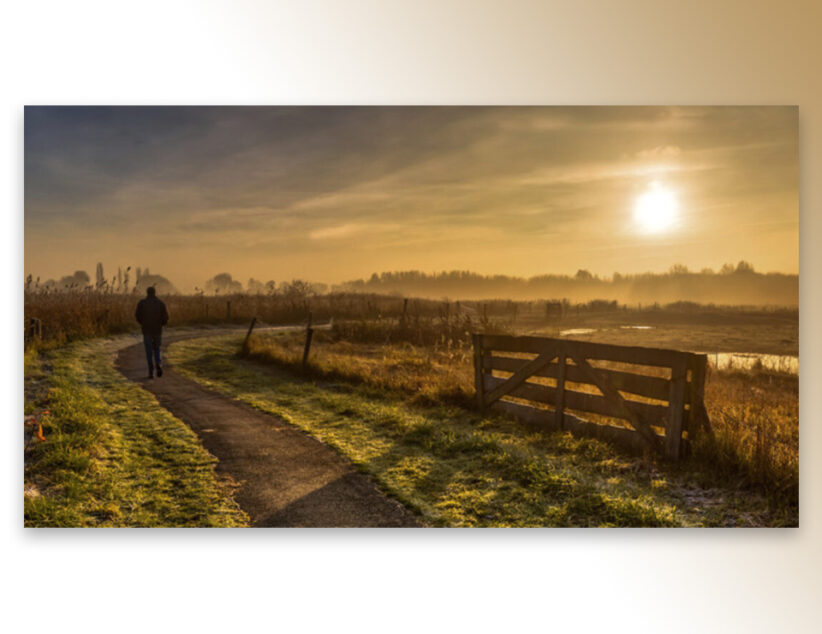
{"x":736,"y":284}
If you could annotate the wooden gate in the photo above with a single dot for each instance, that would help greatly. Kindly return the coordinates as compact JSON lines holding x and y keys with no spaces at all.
{"x":658,"y":392}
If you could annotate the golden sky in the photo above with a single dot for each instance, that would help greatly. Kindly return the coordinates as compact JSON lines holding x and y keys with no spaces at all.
{"x":337,"y":193}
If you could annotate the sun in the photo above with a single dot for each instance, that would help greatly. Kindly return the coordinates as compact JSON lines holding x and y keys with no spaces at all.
{"x":656,"y":210}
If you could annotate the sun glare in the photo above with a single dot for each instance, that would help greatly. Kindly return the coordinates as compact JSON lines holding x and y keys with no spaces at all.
{"x":656,"y":209}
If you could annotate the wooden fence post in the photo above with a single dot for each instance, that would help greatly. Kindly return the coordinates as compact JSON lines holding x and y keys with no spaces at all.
{"x":479,"y":384}
{"x":33,"y":331}
{"x":697,"y":416}
{"x":228,"y":310}
{"x":676,"y":406}
{"x":248,"y":335}
{"x":560,"y":411}
{"x":309,"y":332}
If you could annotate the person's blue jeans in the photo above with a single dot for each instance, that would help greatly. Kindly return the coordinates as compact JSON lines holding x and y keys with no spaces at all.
{"x":152,"y":344}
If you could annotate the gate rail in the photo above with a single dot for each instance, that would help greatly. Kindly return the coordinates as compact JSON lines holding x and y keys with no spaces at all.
{"x":566,"y":361}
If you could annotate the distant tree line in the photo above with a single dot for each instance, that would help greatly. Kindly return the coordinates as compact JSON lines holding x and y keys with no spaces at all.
{"x":121,"y":283}
{"x":225,"y":284}
{"x":732,"y":284}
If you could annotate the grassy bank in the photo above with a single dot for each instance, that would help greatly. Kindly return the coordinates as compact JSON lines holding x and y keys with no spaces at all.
{"x":111,"y":455}
{"x":396,"y":412}
{"x":755,"y":414}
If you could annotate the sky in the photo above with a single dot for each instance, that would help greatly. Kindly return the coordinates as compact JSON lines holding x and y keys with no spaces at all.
{"x":329,"y":194}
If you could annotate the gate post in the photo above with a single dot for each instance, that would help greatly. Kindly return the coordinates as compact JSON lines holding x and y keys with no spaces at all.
{"x":560,"y":407}
{"x":676,"y":407}
{"x":479,"y":383}
{"x":697,"y":417}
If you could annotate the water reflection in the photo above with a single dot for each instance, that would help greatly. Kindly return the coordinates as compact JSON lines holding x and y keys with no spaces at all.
{"x":576,"y":331}
{"x":752,"y":360}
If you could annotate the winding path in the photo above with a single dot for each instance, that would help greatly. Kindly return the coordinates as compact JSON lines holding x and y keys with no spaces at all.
{"x":285,"y":477}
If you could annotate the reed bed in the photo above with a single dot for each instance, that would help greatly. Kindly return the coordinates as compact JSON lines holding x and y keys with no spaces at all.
{"x":77,"y":314}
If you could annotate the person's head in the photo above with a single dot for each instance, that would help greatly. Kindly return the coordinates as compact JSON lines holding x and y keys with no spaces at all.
{"x":151,"y":291}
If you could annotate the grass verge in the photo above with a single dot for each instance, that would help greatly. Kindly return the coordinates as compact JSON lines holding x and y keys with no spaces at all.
{"x":457,"y":468}
{"x":754,"y":413}
{"x":112,"y":456}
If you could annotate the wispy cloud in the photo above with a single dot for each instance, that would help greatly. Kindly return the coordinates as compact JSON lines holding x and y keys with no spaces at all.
{"x":381,"y":188}
{"x":332,"y":233}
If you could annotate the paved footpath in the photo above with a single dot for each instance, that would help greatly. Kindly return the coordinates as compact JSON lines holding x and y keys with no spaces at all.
{"x":286,"y":477}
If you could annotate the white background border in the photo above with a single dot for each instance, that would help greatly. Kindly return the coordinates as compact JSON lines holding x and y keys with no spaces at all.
{"x":418,"y":52}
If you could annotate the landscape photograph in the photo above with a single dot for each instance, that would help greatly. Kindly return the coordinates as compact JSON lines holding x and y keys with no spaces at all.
{"x":411,"y":316}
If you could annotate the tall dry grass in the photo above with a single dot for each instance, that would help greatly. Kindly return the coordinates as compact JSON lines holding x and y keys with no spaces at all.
{"x":755,"y":420}
{"x":426,"y":357}
{"x":77,"y":314}
{"x":426,"y":375}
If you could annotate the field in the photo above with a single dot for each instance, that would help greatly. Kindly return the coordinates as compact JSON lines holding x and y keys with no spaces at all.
{"x":390,"y":386}
{"x":754,"y":413}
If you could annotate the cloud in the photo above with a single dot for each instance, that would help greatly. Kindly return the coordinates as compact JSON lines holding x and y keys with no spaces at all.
{"x":332,"y":233}
{"x":660,"y":152}
{"x":355,"y":230}
{"x":294,"y":184}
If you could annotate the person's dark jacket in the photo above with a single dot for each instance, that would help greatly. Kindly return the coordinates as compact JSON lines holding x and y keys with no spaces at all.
{"x":152,"y":315}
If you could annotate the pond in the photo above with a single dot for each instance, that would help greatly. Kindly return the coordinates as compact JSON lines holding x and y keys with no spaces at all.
{"x":750,"y":360}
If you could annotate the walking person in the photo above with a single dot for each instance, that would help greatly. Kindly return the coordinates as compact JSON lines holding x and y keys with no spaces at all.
{"x":152,"y":316}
